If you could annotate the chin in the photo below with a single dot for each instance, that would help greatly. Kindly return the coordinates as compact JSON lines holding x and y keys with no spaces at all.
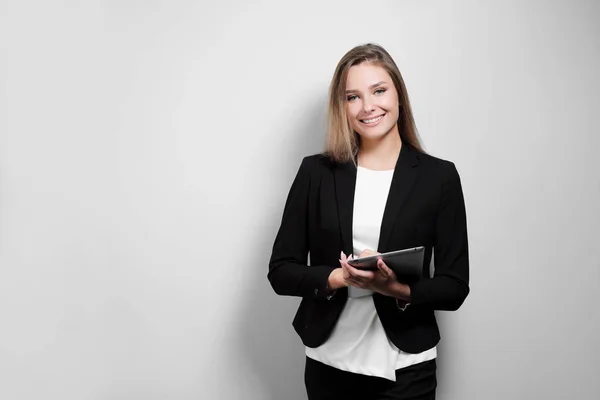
{"x":374,"y":133}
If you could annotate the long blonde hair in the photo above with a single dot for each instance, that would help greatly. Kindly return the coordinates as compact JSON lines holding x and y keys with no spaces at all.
{"x":342,"y":142}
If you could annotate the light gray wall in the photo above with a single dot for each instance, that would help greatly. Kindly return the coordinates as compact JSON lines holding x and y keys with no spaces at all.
{"x":147,"y":147}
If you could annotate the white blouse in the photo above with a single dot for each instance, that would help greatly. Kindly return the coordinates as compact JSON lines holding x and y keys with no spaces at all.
{"x":358,"y":342}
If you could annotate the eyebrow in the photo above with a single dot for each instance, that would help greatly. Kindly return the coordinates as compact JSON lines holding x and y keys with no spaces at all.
{"x":370,"y":87}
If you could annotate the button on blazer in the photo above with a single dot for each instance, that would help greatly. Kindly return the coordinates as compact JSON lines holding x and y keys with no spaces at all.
{"x":424,"y":207}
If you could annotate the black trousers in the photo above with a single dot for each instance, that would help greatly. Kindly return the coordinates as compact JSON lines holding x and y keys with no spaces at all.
{"x":417,"y":382}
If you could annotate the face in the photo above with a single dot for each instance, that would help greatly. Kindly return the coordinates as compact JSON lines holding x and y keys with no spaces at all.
{"x":371,"y":101}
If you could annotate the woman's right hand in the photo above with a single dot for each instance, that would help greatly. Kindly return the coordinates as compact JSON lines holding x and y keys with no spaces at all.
{"x":336,"y":279}
{"x":356,"y":277}
{"x":347,"y":275}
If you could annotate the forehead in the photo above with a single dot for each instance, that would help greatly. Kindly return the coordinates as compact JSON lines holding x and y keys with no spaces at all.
{"x":365,"y":74}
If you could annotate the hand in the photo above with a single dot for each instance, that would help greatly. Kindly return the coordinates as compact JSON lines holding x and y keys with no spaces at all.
{"x":358,"y":277}
{"x":341,"y":277}
{"x":383,"y":280}
{"x":353,"y":276}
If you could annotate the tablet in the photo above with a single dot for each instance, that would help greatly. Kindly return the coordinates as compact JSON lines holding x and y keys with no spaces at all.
{"x":407,"y":264}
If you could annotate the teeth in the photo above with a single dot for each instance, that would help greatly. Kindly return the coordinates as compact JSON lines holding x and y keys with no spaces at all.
{"x":370,"y":121}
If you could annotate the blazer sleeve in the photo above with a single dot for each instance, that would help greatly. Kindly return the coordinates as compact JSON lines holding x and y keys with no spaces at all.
{"x":449,"y":286}
{"x":289,"y":273}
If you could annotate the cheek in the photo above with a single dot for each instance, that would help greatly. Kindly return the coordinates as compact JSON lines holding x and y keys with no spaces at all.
{"x":390,"y":103}
{"x":352,"y":111}
{"x":394,"y":112}
{"x":392,"y":108}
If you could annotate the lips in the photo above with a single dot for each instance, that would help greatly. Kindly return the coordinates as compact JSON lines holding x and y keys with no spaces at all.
{"x":372,"y":121}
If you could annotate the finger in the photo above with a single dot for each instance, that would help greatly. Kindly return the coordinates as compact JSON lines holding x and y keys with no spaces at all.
{"x":345,"y":267}
{"x":356,"y":273}
{"x":356,"y":277}
{"x":383,"y":266}
{"x":345,"y":275}
{"x":356,"y":282}
{"x":348,"y":277}
{"x":367,"y":253}
{"x":351,"y":269}
{"x":382,"y":269}
{"x":361,"y":274}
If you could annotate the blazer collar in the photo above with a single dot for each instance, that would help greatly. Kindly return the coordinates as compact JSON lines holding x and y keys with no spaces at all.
{"x":403,"y":179}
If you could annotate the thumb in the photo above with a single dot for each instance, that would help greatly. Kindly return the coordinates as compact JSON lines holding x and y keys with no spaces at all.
{"x":382,"y":269}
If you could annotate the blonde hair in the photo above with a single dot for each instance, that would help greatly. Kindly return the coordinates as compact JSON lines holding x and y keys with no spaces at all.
{"x":342,"y":142}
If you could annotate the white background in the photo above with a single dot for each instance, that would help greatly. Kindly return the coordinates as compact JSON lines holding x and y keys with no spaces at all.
{"x":147,"y":148}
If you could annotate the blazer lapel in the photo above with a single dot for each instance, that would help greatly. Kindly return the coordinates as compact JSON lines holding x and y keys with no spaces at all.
{"x":345,"y":183}
{"x":403,"y":180}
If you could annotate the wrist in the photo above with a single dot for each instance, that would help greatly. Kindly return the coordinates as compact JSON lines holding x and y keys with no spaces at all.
{"x":336,"y":279}
{"x":400,"y":291}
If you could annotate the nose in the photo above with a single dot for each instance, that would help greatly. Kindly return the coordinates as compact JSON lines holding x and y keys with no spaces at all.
{"x":368,"y":106}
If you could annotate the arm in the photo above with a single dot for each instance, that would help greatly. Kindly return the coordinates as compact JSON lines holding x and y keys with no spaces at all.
{"x":289,"y":273}
{"x":449,"y":286}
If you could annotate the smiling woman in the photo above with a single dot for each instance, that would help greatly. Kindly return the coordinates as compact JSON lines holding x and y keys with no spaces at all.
{"x":367,"y":334}
{"x":372,"y":111}
{"x":367,"y":85}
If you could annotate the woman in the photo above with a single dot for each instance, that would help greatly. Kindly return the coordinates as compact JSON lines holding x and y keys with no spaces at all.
{"x":374,"y":190}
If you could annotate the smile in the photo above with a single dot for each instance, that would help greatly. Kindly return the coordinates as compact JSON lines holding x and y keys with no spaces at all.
{"x":372,"y":121}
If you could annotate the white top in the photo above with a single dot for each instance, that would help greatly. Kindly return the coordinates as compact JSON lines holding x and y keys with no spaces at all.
{"x":358,"y":342}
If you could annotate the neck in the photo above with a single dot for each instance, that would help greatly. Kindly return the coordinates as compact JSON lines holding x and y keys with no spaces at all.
{"x":380,"y":154}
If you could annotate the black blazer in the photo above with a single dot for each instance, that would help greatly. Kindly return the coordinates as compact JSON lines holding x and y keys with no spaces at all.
{"x":425,"y":207}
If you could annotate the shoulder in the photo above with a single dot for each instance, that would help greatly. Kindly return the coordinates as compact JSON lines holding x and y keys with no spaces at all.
{"x":319,"y":159}
{"x":316,"y":162}
{"x":438,"y":168}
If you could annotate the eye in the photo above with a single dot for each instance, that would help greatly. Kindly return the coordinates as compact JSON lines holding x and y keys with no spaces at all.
{"x":351,"y":97}
{"x":380,"y":91}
